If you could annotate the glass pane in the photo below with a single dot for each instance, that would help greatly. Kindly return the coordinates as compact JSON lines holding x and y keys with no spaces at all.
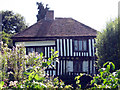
{"x":31,"y":50}
{"x":84,"y":45}
{"x":80,"y":45}
{"x":76,"y":45}
{"x":40,"y":49}
{"x":77,"y":66}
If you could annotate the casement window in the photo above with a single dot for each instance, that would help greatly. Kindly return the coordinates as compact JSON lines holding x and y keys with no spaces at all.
{"x":80,"y":45}
{"x":35,"y":49}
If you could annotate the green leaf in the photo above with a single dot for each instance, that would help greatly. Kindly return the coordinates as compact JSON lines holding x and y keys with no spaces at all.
{"x":78,"y":81}
{"x":36,"y":58}
{"x":56,"y":52}
{"x":41,"y":54}
{"x":108,"y":68}
{"x":113,"y":66}
{"x":27,"y":73}
{"x":36,"y":77}
{"x":40,"y":79}
{"x":101,"y":74}
{"x":52,"y":50}
{"x":105,"y":64}
{"x":30,"y":77}
{"x":1,"y":84}
{"x":44,"y":64}
{"x":49,"y":62}
{"x":77,"y":77}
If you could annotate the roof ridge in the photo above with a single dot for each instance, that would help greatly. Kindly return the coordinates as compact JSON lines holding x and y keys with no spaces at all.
{"x":27,"y":28}
{"x":84,"y":24}
{"x":63,"y":17}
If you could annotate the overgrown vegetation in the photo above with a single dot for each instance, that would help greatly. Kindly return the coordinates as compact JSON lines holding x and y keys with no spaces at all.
{"x":27,"y":71}
{"x":19,"y":70}
{"x":11,"y":23}
{"x":106,"y":79}
{"x":107,"y":44}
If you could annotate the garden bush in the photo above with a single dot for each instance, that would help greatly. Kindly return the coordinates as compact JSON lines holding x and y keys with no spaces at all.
{"x":106,"y":79}
{"x":19,"y":70}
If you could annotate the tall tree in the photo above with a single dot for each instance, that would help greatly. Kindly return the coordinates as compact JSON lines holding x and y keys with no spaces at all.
{"x":107,"y":44}
{"x":41,"y":11}
{"x":11,"y":23}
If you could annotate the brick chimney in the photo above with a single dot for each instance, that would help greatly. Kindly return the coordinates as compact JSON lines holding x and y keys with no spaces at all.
{"x":49,"y":15}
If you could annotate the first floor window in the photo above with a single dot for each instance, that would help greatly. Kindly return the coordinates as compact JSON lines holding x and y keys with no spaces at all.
{"x":80,"y":45}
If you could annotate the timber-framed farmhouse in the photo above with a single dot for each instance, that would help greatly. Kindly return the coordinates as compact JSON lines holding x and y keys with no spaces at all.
{"x":74,"y":41}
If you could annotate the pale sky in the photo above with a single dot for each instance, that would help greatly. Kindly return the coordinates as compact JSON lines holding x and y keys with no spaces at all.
{"x":94,"y":13}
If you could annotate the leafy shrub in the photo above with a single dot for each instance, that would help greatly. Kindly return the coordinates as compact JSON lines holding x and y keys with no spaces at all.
{"x":83,"y":81}
{"x":13,"y":62}
{"x":106,"y":79}
{"x":27,"y":70}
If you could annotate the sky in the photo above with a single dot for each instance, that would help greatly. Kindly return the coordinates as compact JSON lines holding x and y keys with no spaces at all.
{"x":94,"y":13}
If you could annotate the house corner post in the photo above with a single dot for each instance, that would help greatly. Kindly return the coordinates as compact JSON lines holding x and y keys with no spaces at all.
{"x":0,"y":29}
{"x":0,"y":41}
{"x":118,"y":30}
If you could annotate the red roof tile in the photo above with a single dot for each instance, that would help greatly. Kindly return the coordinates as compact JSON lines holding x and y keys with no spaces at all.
{"x":58,"y":27}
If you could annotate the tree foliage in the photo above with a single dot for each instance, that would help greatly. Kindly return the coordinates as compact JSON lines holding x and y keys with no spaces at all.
{"x":11,"y":23}
{"x":6,"y":38}
{"x":107,"y":44}
{"x":41,"y":11}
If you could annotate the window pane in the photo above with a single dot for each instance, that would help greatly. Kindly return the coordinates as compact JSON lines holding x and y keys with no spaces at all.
{"x":40,"y":49}
{"x":80,"y":45}
{"x":84,"y":45}
{"x":75,"y":45}
{"x":31,"y":50}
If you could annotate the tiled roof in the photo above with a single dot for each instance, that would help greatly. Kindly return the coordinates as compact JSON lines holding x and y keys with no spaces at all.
{"x":58,"y":27}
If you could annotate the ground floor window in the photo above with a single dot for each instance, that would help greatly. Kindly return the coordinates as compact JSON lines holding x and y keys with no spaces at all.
{"x":77,"y":66}
{"x":35,"y":49}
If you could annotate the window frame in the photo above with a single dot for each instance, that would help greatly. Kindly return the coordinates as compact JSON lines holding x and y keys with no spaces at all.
{"x":78,"y":48}
{"x":34,"y":47}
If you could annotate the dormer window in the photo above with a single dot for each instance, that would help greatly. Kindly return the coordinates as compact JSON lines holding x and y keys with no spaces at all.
{"x":80,"y":45}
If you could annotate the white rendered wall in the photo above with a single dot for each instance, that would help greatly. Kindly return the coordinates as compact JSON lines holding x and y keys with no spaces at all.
{"x":36,"y":43}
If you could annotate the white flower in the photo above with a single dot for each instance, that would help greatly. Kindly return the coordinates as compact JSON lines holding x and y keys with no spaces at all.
{"x":10,"y":72}
{"x":11,"y":83}
{"x":103,"y":69}
{"x":41,"y":84}
{"x":114,"y":73}
{"x":15,"y":82}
